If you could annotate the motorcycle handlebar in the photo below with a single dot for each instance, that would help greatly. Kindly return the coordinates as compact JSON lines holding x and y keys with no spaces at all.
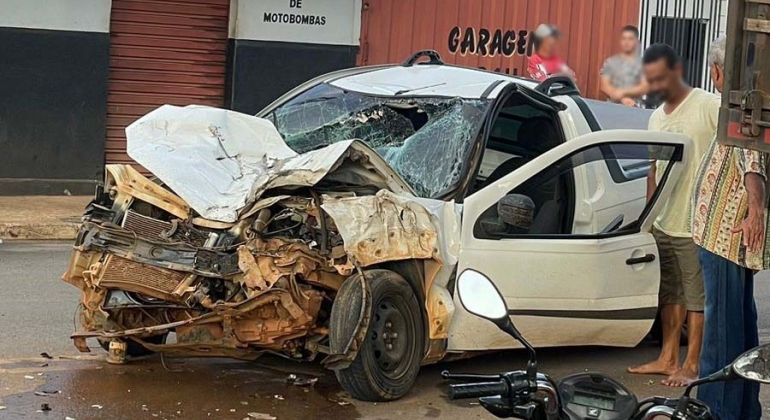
{"x":477,"y":390}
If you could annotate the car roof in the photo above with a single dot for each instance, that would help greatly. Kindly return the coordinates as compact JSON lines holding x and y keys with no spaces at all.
{"x":427,"y":80}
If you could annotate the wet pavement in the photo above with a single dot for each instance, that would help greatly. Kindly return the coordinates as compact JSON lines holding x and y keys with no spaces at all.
{"x":192,"y":389}
{"x":82,"y":386}
{"x":186,"y":388}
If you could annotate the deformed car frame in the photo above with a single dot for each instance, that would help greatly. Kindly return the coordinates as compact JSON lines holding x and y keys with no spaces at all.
{"x":293,"y":268}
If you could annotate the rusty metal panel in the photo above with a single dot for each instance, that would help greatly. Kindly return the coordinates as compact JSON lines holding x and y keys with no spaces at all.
{"x":163,"y":52}
{"x":744,"y":116}
{"x":121,"y":273}
{"x":390,"y":34}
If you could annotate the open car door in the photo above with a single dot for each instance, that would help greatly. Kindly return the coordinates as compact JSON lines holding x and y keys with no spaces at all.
{"x":567,"y":279}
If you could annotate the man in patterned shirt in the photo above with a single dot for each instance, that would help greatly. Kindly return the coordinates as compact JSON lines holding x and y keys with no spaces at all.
{"x":729,"y":224}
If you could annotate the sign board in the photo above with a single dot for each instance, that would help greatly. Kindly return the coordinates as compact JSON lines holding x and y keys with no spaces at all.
{"x":335,"y":22}
{"x":62,"y":15}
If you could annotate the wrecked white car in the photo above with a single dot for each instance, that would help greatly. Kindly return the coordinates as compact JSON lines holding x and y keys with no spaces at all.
{"x":333,"y":225}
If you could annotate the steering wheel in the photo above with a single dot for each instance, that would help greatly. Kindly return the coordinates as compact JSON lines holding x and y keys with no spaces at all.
{"x":614,"y":225}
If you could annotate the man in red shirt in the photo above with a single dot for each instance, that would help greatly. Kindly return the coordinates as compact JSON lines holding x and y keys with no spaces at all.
{"x":544,"y":62}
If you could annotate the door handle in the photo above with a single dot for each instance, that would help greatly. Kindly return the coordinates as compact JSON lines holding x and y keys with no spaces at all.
{"x":639,"y":260}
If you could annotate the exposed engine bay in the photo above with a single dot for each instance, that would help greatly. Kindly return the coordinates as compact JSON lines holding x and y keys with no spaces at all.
{"x":268,"y":279}
{"x":150,"y":261}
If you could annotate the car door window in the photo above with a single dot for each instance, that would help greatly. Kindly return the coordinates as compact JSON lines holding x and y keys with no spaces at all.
{"x":577,"y":196}
{"x":519,"y":133}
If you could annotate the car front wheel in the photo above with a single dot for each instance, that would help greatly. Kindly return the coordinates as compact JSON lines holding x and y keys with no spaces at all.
{"x":389,"y":359}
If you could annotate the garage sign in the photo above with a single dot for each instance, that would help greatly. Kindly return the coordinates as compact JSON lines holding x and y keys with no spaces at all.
{"x":487,"y":42}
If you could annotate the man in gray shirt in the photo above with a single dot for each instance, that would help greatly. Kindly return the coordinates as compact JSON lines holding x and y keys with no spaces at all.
{"x":621,"y":74}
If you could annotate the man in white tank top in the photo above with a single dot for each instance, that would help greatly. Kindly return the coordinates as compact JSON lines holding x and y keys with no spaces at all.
{"x":692,"y":112}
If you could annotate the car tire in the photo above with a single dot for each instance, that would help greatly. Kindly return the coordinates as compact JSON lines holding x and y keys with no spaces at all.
{"x":134,"y":349}
{"x":390,"y":356}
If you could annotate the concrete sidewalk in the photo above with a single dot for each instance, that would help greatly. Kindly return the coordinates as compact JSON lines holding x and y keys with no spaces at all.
{"x":41,"y":217}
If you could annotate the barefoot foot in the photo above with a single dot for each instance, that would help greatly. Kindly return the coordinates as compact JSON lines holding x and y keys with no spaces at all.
{"x":657,"y":367}
{"x":683,"y":377}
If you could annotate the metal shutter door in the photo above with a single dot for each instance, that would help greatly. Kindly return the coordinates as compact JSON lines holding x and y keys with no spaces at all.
{"x":163,"y":52}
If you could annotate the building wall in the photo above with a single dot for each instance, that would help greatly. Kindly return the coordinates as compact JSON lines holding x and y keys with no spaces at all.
{"x":56,"y":60}
{"x":277,"y":44}
{"x":711,"y":16}
{"x":53,"y":94}
{"x":392,"y":30}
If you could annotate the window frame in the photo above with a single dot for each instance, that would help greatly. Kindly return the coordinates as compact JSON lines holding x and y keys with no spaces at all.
{"x":619,"y":175}
{"x":627,"y":229}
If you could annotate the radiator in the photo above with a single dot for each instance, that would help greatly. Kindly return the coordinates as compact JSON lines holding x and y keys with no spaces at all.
{"x":123,"y":274}
{"x":153,"y":229}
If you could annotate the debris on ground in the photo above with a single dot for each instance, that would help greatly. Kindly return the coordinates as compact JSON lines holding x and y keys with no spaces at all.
{"x":97,"y":406}
{"x":259,"y":416}
{"x":44,"y":393}
{"x":44,"y":365}
{"x":279,"y":397}
{"x":297,"y":381}
{"x":29,"y":377}
{"x":45,"y":407}
{"x":2,"y":407}
{"x":45,"y":355}
{"x":69,"y":418}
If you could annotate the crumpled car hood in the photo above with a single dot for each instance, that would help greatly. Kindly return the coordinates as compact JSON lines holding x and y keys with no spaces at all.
{"x":221,"y":161}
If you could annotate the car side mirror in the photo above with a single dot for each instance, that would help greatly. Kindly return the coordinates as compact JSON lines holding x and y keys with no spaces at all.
{"x":517,"y":211}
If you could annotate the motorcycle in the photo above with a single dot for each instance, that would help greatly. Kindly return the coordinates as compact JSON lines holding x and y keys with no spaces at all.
{"x":531,"y":395}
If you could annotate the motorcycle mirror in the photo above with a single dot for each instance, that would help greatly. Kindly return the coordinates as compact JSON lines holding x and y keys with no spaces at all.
{"x":754,"y":365}
{"x":480,"y":297}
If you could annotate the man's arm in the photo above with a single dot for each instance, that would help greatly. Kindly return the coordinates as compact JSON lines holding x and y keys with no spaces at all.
{"x":536,"y":71}
{"x":606,"y":87}
{"x":652,"y":183}
{"x":639,"y":90}
{"x":753,"y":226}
{"x":567,"y":71}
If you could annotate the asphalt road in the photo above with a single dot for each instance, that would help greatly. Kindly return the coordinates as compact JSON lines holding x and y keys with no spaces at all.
{"x":36,"y":315}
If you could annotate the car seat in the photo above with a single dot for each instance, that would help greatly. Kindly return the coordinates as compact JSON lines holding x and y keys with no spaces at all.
{"x":535,"y":134}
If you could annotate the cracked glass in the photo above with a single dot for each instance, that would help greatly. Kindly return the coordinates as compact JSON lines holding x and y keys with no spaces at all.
{"x":427,"y":141}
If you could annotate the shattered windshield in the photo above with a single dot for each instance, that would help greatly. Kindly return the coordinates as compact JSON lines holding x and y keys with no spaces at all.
{"x":427,"y":141}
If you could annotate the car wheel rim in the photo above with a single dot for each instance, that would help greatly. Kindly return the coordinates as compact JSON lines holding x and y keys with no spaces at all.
{"x":389,"y":334}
